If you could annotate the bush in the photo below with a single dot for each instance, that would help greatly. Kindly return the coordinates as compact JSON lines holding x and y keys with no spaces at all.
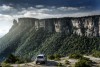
{"x":67,"y":62}
{"x":59,"y":65}
{"x":83,"y":62}
{"x":13,"y":59}
{"x":54,"y":57}
{"x":57,"y":59}
{"x":5,"y":65}
{"x":75,"y":56}
{"x":51,"y":57}
{"x":57,"y":56}
{"x":18,"y":62}
{"x":96,"y":53}
{"x":87,"y":59}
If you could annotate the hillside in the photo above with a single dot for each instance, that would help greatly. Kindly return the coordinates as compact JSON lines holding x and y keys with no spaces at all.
{"x":29,"y":37}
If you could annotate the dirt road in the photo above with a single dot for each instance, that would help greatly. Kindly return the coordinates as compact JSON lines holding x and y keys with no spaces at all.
{"x":32,"y":64}
{"x":52,"y":63}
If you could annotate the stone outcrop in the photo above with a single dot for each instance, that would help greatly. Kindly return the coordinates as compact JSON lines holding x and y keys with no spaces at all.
{"x":87,"y":26}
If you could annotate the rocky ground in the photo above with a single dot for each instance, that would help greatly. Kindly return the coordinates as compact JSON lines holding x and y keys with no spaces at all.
{"x":52,"y":63}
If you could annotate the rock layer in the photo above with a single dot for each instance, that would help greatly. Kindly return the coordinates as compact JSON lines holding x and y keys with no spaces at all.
{"x":87,"y":26}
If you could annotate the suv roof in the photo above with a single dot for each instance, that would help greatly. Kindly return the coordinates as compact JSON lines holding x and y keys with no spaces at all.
{"x":41,"y":55}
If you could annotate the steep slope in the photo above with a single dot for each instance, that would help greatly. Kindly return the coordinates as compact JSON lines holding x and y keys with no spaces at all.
{"x":29,"y":37}
{"x":30,"y":46}
{"x":11,"y":40}
{"x":56,"y":43}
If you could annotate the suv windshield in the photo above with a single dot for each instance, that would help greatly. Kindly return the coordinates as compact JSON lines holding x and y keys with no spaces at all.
{"x":40,"y":57}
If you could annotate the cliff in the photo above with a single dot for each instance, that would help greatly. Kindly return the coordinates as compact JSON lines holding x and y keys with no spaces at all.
{"x":30,"y":36}
{"x":87,"y":26}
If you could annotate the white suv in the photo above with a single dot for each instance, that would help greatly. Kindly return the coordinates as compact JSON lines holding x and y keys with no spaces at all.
{"x":41,"y":58}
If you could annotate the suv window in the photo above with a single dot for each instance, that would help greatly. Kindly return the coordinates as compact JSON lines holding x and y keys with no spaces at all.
{"x":40,"y":57}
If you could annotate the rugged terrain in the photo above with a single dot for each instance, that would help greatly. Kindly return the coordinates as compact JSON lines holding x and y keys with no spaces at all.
{"x":53,"y":63}
{"x":29,"y":36}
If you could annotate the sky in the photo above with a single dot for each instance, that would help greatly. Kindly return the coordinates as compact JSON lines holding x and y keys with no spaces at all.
{"x":14,"y":9}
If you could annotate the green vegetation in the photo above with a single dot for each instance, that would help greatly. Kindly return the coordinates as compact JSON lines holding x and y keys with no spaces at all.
{"x":6,"y":65}
{"x":67,"y":62}
{"x":83,"y":62}
{"x":13,"y":59}
{"x":59,"y":65}
{"x":54,"y":57}
{"x":96,"y":53}
{"x":51,"y":57}
{"x":75,"y":56}
{"x":57,"y":57}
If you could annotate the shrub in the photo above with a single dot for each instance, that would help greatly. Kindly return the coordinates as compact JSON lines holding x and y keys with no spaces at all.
{"x":67,"y":62}
{"x":57,"y":59}
{"x":83,"y":62}
{"x":54,"y":57}
{"x":96,"y":53}
{"x":18,"y":62}
{"x":5,"y":65}
{"x":13,"y":59}
{"x":75,"y":56}
{"x":57,"y":56}
{"x":59,"y":65}
{"x":51,"y":57}
{"x":87,"y":59}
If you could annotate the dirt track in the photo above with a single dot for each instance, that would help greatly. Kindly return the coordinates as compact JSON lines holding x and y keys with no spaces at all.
{"x":48,"y":64}
{"x":54,"y":63}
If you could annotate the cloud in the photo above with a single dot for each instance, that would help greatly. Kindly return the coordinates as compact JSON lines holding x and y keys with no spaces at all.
{"x":40,"y":11}
{"x":39,"y":6}
{"x":46,"y":12}
{"x":5,"y":17}
{"x":67,"y":8}
{"x":5,"y":7}
{"x":8,"y":13}
{"x":53,"y":12}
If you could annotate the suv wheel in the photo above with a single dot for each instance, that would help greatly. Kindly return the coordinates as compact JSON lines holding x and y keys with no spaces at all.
{"x":36,"y":62}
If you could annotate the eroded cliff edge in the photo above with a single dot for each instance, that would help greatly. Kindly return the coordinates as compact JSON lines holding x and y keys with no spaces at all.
{"x":87,"y":26}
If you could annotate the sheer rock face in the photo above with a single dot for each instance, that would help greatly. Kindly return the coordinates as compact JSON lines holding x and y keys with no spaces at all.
{"x":26,"y":21}
{"x":87,"y":26}
{"x":46,"y":24}
{"x":15,"y":24}
{"x":77,"y":26}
